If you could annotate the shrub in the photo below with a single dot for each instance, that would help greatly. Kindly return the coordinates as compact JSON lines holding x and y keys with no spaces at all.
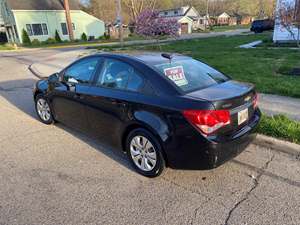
{"x":50,"y":41}
{"x":25,"y":38}
{"x":106,"y":36}
{"x":35,"y":42}
{"x":83,"y":37}
{"x":57,"y":37}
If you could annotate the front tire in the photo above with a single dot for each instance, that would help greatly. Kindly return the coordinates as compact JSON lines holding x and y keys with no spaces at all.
{"x":43,"y":110}
{"x":145,"y":153}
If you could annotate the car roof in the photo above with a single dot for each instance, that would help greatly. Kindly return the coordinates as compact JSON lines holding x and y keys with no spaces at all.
{"x":148,"y":58}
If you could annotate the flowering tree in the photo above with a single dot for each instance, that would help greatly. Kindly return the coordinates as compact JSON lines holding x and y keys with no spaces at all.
{"x":149,"y":24}
{"x":289,"y":17}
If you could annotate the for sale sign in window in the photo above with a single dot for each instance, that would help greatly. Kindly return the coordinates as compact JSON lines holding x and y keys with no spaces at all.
{"x":176,"y":74}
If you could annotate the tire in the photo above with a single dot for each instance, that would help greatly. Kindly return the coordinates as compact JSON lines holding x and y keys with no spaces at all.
{"x":143,"y":149}
{"x":43,"y":110}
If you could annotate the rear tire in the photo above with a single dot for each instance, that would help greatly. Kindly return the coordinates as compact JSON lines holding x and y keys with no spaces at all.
{"x":43,"y":110}
{"x":145,"y":153}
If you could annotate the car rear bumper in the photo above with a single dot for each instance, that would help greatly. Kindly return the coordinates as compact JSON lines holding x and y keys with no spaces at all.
{"x":196,"y":153}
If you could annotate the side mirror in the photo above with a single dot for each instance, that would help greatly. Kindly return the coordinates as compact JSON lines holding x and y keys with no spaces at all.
{"x":54,"y":78}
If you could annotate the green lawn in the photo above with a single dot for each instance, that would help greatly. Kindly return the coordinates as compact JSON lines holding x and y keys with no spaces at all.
{"x":263,"y":67}
{"x":226,"y":28}
{"x":5,"y":47}
{"x":280,"y":127}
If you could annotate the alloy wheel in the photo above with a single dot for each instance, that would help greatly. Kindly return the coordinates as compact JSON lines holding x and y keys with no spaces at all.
{"x":143,"y":153}
{"x":43,"y":109}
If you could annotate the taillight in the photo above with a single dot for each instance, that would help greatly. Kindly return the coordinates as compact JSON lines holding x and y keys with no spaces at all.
{"x":208,"y":121}
{"x":255,"y":101}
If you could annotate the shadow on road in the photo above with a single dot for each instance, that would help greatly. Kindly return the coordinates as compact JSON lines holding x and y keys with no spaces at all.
{"x":19,"y":94}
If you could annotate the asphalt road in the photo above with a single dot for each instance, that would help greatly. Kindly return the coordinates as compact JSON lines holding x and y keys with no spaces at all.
{"x":55,"y":175}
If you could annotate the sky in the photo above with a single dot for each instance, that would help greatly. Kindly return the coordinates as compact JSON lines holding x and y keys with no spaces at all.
{"x":84,"y":1}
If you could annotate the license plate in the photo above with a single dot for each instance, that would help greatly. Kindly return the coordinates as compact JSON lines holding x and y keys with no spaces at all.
{"x":243,"y":116}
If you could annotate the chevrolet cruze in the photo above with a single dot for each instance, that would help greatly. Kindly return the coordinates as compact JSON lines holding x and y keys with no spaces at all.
{"x":161,"y":109}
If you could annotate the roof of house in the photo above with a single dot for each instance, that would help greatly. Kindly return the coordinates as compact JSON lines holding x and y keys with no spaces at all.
{"x":177,"y":18}
{"x":185,"y":10}
{"x":238,"y":15}
{"x":41,"y":4}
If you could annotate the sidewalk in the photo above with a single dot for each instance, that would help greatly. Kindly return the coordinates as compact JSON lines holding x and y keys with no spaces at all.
{"x":269,"y":104}
{"x":274,"y":104}
{"x":183,"y":37}
{"x":57,"y":62}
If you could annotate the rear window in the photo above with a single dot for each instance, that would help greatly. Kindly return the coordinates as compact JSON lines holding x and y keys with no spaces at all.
{"x":190,"y":75}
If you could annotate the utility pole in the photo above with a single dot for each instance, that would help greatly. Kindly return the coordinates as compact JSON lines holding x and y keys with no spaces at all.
{"x":68,"y":19}
{"x":120,"y":21}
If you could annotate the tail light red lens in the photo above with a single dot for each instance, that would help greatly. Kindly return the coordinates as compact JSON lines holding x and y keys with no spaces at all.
{"x":255,"y":101}
{"x":208,"y":121}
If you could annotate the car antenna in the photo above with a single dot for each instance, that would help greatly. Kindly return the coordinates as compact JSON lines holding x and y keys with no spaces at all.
{"x":167,"y":56}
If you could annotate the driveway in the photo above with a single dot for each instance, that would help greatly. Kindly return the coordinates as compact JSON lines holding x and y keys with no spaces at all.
{"x":56,"y":175}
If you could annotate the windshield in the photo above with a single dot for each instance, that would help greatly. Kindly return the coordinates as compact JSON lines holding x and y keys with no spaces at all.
{"x":190,"y":75}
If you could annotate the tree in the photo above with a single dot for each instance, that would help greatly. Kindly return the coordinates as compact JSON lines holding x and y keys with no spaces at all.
{"x":57,"y":37}
{"x":149,"y":24}
{"x":25,"y":38}
{"x":289,"y":18}
{"x":83,"y":37}
{"x":136,"y":7}
{"x":69,"y":19}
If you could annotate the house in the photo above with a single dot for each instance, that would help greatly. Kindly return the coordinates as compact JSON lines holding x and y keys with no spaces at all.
{"x":226,"y":19}
{"x":1,"y":23}
{"x":243,"y":18}
{"x":2,"y":30}
{"x":188,"y":18}
{"x":281,"y":34}
{"x":42,"y":18}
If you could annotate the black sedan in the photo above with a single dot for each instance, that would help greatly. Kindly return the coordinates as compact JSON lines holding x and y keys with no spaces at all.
{"x":161,"y":109}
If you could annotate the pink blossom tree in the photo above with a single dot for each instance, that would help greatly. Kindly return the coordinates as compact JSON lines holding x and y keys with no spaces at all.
{"x":149,"y":24}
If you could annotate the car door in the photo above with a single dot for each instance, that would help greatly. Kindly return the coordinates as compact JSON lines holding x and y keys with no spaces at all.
{"x":68,"y":97}
{"x":113,"y":91}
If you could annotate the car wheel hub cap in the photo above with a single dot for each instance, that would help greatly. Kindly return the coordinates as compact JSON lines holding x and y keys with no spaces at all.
{"x":143,"y":153}
{"x":43,"y":109}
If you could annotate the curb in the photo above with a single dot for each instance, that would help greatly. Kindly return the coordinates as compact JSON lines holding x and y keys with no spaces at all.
{"x":277,"y":145}
{"x":34,"y":72}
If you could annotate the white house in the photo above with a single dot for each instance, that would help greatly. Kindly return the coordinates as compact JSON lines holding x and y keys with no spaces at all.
{"x":281,"y":34}
{"x":41,"y":19}
{"x":188,"y":18}
{"x":2,"y":28}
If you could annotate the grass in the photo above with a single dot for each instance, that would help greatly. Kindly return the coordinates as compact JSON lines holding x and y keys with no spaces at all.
{"x":71,"y":44}
{"x":5,"y":47}
{"x":227,"y":28}
{"x":268,"y":43}
{"x":280,"y":127}
{"x":266,"y":68}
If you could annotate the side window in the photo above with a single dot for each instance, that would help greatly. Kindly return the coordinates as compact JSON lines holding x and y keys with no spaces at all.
{"x":135,"y":82}
{"x":119,"y":75}
{"x":81,"y":72}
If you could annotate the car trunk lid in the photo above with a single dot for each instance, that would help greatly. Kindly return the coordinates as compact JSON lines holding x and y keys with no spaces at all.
{"x":234,"y":96}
